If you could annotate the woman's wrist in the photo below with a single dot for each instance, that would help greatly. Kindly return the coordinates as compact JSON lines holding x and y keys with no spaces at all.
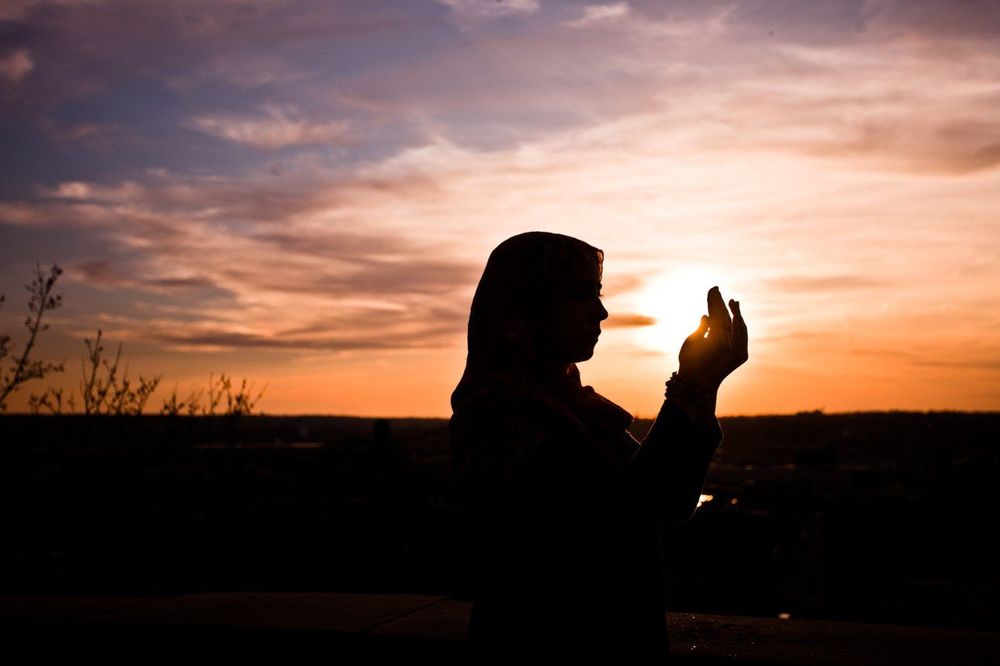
{"x":683,"y":387}
{"x":694,"y":399}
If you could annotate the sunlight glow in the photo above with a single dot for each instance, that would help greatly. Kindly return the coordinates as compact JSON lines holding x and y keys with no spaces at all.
{"x":676,"y":299}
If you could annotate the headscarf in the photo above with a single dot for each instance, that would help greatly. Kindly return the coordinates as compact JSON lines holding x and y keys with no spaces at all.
{"x":522,"y":280}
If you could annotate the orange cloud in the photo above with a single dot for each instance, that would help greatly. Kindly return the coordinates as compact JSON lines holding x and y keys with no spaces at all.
{"x":628,"y":321}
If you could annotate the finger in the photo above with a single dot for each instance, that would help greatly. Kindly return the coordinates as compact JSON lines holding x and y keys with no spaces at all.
{"x":740,"y":335}
{"x":702,"y":328}
{"x":718,"y":315}
{"x":720,"y":324}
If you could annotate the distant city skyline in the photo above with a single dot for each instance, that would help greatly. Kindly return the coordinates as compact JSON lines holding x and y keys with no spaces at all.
{"x":305,"y":193}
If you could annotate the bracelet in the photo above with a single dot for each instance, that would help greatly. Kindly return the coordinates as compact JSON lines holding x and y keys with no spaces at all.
{"x":686,"y":390}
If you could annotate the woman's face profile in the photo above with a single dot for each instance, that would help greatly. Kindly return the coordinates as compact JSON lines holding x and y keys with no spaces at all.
{"x":570,"y":328}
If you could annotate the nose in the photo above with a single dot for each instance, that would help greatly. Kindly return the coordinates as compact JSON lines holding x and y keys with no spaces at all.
{"x":602,"y":310}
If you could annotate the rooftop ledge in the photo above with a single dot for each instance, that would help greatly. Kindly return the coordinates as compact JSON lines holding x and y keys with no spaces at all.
{"x":408,"y":626}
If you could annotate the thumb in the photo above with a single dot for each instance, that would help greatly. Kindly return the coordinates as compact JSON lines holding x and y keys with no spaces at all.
{"x":702,"y":328}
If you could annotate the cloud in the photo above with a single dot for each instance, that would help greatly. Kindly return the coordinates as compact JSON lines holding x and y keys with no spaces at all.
{"x":934,"y":19}
{"x":96,"y":192}
{"x":94,"y":135}
{"x":15,"y":9}
{"x":249,"y":269}
{"x":96,"y":50}
{"x":15,"y":65}
{"x":251,"y":70}
{"x":350,"y":331}
{"x":989,"y":364}
{"x":108,"y":274}
{"x":489,"y":9}
{"x":218,"y":340}
{"x":816,"y":87}
{"x":599,"y":14}
{"x":278,"y":127}
{"x":704,"y":22}
{"x":824,"y":283}
{"x":628,"y":321}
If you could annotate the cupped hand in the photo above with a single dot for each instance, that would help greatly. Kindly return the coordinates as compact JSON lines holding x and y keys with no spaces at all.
{"x":718,"y":347}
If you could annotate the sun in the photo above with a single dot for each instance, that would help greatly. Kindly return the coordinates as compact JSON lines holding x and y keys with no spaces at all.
{"x":676,"y":299}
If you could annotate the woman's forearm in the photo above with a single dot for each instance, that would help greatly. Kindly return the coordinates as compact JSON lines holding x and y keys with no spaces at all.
{"x":672,"y":464}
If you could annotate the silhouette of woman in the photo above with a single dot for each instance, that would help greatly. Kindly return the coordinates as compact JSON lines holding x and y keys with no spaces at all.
{"x":568,"y":505}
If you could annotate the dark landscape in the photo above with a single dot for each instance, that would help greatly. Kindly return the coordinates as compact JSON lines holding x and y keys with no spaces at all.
{"x":873,"y":517}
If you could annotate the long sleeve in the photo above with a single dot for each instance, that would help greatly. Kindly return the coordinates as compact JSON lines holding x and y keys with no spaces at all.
{"x":669,"y":469}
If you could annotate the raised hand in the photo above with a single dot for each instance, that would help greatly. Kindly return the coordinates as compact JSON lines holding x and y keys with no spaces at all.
{"x":718,"y":347}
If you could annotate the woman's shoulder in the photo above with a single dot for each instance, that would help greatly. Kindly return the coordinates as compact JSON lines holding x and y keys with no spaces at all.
{"x":503,"y":395}
{"x":511,"y":407}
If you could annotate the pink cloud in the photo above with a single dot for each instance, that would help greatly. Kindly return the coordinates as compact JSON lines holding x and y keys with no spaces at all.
{"x":277,"y":127}
{"x":16,"y":65}
{"x":599,"y":14}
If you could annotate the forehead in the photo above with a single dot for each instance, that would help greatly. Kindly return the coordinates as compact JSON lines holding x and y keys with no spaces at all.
{"x":579,"y":262}
{"x":581,"y":273}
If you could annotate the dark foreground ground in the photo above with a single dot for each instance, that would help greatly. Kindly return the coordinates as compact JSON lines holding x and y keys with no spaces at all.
{"x":873,"y":517}
{"x":414,"y":627}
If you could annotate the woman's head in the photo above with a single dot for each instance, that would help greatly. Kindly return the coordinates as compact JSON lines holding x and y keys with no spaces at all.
{"x":537,"y":307}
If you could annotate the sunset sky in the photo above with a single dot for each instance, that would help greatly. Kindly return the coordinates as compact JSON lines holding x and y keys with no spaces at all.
{"x":305,"y":193}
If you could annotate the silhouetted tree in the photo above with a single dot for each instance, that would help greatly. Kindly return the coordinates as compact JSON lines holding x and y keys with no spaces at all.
{"x":24,"y":368}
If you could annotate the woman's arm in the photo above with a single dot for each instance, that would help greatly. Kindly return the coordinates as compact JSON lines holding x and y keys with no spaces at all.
{"x":669,"y":470}
{"x":513,"y":452}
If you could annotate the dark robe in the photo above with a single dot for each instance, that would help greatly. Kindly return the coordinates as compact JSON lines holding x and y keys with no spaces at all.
{"x":569,"y":509}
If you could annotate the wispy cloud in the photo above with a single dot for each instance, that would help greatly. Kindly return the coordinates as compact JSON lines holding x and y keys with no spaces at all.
{"x":276,"y":279}
{"x":599,"y":14}
{"x":628,"y":321}
{"x":277,"y":127}
{"x":487,"y":9}
{"x":824,"y":283}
